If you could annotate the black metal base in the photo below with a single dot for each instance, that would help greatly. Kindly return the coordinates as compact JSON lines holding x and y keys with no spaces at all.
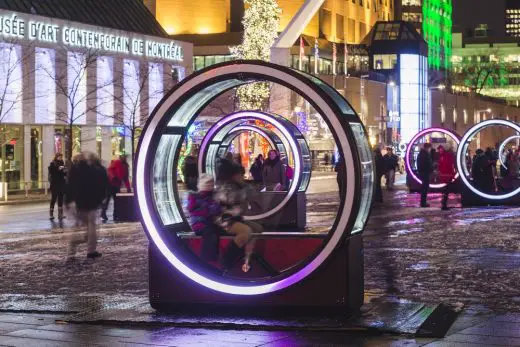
{"x":468,"y":199}
{"x":338,"y":286}
{"x":125,"y":208}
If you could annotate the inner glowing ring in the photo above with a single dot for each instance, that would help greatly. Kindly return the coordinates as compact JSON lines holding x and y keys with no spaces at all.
{"x":501,"y":148}
{"x":461,"y":153}
{"x":280,"y":127}
{"x":420,"y":134}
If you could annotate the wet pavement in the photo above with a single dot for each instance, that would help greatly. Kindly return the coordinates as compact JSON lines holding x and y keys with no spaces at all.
{"x":468,"y":257}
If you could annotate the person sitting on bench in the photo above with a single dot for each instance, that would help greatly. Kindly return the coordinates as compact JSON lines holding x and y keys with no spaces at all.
{"x":231,"y":193}
{"x":203,"y":211}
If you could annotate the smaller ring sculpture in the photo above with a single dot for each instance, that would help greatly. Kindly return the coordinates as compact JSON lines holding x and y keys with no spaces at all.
{"x":502,"y":146}
{"x":420,"y":134}
{"x":461,"y":153}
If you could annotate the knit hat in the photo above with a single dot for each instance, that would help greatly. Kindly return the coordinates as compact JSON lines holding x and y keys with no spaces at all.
{"x":206,"y":183}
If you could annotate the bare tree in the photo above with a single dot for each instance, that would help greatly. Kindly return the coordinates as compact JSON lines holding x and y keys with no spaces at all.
{"x":138,"y":89}
{"x":481,"y":70}
{"x":13,"y":70}
{"x":76,"y":96}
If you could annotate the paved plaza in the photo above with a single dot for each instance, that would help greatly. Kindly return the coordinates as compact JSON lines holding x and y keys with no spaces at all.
{"x":468,"y":258}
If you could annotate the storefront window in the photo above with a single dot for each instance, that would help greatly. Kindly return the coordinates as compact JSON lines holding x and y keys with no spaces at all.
{"x":118,"y":141}
{"x":11,"y":159}
{"x":61,"y":138}
{"x":385,"y":61}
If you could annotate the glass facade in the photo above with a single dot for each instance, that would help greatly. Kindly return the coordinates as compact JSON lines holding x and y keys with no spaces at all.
{"x":413,"y":95}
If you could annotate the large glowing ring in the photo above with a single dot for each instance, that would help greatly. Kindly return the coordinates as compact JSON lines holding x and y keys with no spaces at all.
{"x":182,"y":104}
{"x":501,"y":148}
{"x":255,"y":115}
{"x":254,"y":129}
{"x":461,"y":153}
{"x":451,"y":134}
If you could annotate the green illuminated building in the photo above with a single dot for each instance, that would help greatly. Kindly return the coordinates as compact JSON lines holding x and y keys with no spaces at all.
{"x":432,"y":18}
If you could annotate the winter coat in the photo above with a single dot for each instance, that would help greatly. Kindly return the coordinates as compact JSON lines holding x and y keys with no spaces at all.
{"x":118,"y":174}
{"x":203,"y":211}
{"x":273,"y":174}
{"x":190,"y":172}
{"x":256,"y":171}
{"x":87,"y":185}
{"x":380,"y":164}
{"x":424,"y":163}
{"x":57,"y":176}
{"x":447,"y":169}
{"x":391,"y":162}
{"x":231,"y":196}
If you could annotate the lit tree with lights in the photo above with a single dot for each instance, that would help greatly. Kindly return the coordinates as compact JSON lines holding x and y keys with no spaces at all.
{"x":261,"y":21}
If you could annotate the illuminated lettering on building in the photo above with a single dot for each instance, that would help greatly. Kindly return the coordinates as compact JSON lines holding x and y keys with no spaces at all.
{"x":14,"y":26}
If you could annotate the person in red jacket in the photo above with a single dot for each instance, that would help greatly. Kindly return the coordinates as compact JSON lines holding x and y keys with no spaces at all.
{"x":447,"y":172}
{"x":118,"y":173}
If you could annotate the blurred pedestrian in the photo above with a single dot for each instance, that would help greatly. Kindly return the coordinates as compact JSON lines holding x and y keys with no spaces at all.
{"x":190,"y":172}
{"x":391,"y":165}
{"x":340,"y":176}
{"x":118,"y":173}
{"x":447,"y":172}
{"x":424,"y":169}
{"x":380,"y":172}
{"x":256,"y":169}
{"x":273,"y":174}
{"x":87,"y":186}
{"x":57,"y":174}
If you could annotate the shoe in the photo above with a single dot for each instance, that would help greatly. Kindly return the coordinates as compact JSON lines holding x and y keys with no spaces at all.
{"x":425,"y":205}
{"x":60,"y":214}
{"x":94,"y":255}
{"x":231,"y":254}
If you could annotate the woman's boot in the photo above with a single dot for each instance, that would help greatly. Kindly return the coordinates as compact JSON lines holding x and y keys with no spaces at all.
{"x":51,"y":214}
{"x":60,"y":213}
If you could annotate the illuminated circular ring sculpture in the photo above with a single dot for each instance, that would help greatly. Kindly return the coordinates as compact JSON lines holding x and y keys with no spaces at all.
{"x":268,"y":135}
{"x":158,"y":153}
{"x":420,"y":134}
{"x":212,"y":144}
{"x":501,"y":148}
{"x":461,"y":153}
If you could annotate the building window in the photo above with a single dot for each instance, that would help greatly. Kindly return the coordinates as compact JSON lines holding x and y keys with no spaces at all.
{"x":155,"y":86}
{"x":105,"y":91}
{"x":325,"y":23}
{"x":11,"y":82}
{"x":131,"y":94}
{"x":77,"y":88}
{"x":340,"y":27}
{"x":385,"y":61}
{"x":413,"y":96}
{"x":411,"y":2}
{"x":45,"y":86}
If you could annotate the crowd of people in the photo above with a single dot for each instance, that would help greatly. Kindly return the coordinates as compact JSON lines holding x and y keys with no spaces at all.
{"x":84,"y":187}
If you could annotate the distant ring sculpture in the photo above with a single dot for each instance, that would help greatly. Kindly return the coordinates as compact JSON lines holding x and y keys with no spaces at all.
{"x":502,"y":146}
{"x":409,"y":148}
{"x":461,"y":154}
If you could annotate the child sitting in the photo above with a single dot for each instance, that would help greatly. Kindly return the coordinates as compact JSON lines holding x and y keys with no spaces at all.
{"x":203,"y":211}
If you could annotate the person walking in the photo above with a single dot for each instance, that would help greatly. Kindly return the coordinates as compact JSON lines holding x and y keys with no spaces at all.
{"x":273,"y":173}
{"x":256,"y":169}
{"x":57,"y":174}
{"x":447,"y":172}
{"x":87,"y":187}
{"x":391,"y":165}
{"x":118,"y":173}
{"x":424,"y":169}
{"x":380,"y":172}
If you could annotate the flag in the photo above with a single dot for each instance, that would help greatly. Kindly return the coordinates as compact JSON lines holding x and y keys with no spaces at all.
{"x":334,"y":58}
{"x":316,"y":56}
{"x":345,"y":59}
{"x":302,"y":54}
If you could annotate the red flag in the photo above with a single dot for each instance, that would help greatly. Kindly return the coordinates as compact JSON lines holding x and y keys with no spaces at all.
{"x":302,"y":54}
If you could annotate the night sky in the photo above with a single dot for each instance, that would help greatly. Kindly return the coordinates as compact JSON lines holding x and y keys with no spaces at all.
{"x":468,"y":14}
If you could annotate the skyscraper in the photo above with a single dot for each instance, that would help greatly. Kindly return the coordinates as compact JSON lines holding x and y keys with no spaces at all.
{"x":512,"y":17}
{"x":432,"y":18}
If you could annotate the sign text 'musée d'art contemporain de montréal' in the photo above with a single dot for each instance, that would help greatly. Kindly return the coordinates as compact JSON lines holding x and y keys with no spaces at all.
{"x":14,"y":26}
